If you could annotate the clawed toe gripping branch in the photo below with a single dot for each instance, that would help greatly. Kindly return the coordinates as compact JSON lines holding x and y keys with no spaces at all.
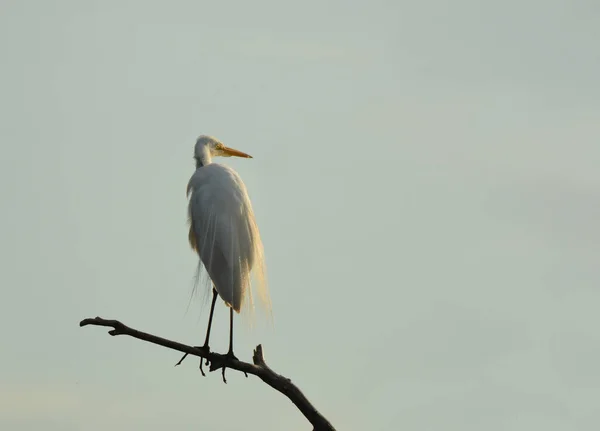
{"x":219,"y":361}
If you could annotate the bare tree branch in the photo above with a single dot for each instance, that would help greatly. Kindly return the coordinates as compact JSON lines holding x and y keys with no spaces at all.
{"x":219,"y":361}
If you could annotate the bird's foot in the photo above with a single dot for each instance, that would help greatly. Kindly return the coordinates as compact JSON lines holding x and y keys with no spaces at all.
{"x":202,"y":359}
{"x":229,"y":357}
{"x":206,"y":348}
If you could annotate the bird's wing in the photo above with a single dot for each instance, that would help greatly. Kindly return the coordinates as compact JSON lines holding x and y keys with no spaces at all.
{"x":223,"y":230}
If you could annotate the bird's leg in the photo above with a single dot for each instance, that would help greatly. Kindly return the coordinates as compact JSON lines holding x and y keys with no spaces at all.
{"x":230,"y":354}
{"x":210,"y":317}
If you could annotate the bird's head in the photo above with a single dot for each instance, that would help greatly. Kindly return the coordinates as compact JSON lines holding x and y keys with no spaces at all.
{"x":207,"y":145}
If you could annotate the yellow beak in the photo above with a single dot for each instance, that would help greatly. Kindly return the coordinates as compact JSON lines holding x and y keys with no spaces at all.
{"x":229,"y":152}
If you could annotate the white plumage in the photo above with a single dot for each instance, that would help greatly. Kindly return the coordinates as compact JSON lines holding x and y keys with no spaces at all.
{"x":223,"y":229}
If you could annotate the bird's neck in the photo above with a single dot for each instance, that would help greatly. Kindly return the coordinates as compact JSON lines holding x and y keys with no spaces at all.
{"x":204,"y":158}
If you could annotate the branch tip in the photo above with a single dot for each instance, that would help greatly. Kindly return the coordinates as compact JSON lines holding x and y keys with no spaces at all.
{"x":258,"y":357}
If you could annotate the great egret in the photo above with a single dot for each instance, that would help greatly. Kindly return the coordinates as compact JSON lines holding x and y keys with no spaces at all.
{"x":224,"y":233}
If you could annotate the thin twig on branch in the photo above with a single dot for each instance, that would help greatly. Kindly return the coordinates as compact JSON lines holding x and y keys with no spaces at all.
{"x":219,"y":361}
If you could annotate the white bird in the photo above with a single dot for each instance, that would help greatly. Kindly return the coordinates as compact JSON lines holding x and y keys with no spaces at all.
{"x":224,"y":233}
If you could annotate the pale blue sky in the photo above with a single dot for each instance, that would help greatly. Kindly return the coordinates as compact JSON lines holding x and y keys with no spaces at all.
{"x":425,"y":178}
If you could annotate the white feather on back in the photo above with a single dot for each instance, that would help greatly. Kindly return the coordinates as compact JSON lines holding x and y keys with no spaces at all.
{"x":225,"y":235}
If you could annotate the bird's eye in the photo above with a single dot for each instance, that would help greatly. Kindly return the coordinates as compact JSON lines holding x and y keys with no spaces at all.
{"x":219,"y":146}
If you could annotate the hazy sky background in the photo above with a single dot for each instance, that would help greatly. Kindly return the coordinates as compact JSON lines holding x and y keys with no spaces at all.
{"x":425,"y":178}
